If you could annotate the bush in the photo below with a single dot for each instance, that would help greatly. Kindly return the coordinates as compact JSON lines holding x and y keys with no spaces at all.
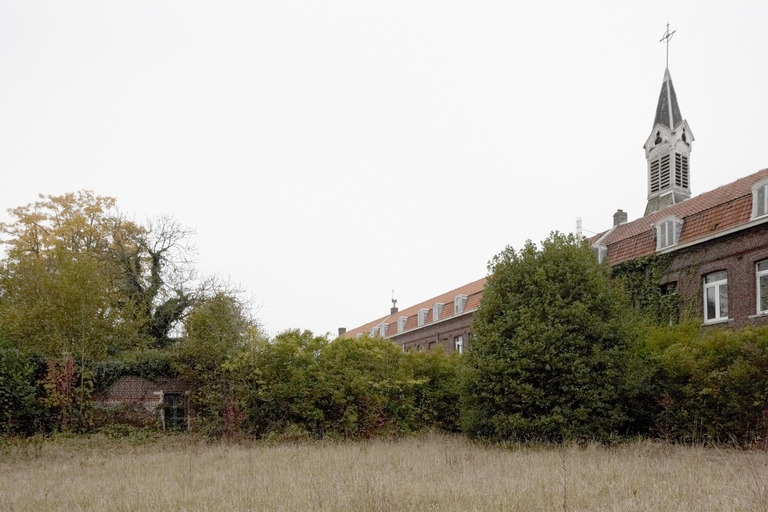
{"x":551,"y":347}
{"x":714,"y":385}
{"x":20,"y":410}
{"x":353,"y":388}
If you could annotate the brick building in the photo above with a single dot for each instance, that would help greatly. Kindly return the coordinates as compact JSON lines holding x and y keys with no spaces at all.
{"x":717,"y":244}
{"x":443,"y":321}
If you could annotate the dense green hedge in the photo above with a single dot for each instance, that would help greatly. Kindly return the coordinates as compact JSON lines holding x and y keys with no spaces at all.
{"x":353,"y":388}
{"x":712,"y":385}
{"x":20,"y":410}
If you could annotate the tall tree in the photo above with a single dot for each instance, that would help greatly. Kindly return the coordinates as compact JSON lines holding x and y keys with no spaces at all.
{"x":550,"y":348}
{"x":80,"y":277}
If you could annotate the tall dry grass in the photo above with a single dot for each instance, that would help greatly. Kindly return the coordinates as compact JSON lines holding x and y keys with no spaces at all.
{"x":429,"y":473}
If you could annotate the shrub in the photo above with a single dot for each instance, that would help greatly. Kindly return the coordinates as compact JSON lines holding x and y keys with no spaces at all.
{"x":551,"y":348}
{"x":714,"y":384}
{"x":20,"y":410}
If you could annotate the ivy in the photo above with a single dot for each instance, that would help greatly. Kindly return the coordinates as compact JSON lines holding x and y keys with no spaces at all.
{"x":148,"y":364}
{"x":641,"y":278}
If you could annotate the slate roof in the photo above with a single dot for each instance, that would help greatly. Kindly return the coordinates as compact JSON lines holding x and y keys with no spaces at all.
{"x":667,"y":109}
{"x":473,"y":290}
{"x":703,"y":216}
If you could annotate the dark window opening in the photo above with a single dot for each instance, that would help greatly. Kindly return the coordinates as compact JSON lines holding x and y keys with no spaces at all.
{"x":175,"y":412}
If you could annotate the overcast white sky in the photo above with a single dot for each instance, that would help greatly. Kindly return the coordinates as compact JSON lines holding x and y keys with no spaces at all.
{"x":328,"y":152}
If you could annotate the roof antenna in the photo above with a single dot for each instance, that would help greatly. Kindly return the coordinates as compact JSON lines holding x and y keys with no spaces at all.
{"x":394,"y":304}
{"x":665,"y":38}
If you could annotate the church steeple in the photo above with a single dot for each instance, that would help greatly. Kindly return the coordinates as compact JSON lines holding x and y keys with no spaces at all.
{"x":668,"y":151}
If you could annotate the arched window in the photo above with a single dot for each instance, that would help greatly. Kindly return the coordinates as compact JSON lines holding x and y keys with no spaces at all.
{"x":668,"y":232}
{"x":760,"y":199}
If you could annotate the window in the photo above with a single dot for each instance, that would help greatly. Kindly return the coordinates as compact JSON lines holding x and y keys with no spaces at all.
{"x":762,"y":287}
{"x":716,"y":296}
{"x":383,"y":330}
{"x":401,"y":324}
{"x":423,"y":316}
{"x":458,"y":344}
{"x":602,"y":253}
{"x":760,"y":199}
{"x":437,"y":309}
{"x":668,"y":232}
{"x":174,"y":414}
{"x":373,"y":331}
{"x":459,"y":302}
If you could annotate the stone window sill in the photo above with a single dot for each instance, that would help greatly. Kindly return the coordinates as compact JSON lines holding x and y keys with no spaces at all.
{"x":717,"y":321}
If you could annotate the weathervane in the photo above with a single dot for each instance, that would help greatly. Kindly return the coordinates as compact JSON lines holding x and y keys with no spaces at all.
{"x":667,"y":36}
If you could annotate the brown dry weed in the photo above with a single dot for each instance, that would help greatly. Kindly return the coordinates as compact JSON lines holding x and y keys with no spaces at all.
{"x":434,"y":472}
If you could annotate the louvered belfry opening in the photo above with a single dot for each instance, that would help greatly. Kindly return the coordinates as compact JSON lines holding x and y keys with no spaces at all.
{"x":654,"y":176}
{"x":681,"y":170}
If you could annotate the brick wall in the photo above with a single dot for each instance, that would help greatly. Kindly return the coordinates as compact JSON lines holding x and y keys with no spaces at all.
{"x":737,"y":254}
{"x":438,"y":334}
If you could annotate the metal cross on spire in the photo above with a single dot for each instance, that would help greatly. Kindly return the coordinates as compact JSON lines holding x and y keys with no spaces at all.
{"x":667,"y":36}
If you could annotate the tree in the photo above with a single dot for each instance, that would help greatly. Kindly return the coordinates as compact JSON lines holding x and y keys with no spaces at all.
{"x":551,"y":346}
{"x":81,"y":278}
{"x":217,"y":330}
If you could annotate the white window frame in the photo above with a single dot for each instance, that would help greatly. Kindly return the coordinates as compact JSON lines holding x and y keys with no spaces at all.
{"x":383,"y":330}
{"x":602,"y":253}
{"x":423,"y":312}
{"x":760,"y":203}
{"x":666,"y":228}
{"x":716,"y":287}
{"x":758,"y":274}
{"x":458,"y":344}
{"x":459,"y":303}
{"x":401,"y":324}
{"x":437,"y":310}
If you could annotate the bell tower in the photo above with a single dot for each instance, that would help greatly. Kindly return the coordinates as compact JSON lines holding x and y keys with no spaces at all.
{"x":668,"y":149}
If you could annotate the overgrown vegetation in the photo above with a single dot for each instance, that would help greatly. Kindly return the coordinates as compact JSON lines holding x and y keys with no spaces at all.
{"x":552,"y":346}
{"x":562,"y":348}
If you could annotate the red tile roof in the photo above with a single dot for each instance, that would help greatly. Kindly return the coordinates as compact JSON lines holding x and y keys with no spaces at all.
{"x":712,"y":212}
{"x":473,"y":290}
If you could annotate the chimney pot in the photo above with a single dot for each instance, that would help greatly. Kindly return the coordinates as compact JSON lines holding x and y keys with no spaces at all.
{"x":342,"y":330}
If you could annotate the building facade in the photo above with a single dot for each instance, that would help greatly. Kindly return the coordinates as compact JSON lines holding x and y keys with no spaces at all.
{"x":716,"y":246}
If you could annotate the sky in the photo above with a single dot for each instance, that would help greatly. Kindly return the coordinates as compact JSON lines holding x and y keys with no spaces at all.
{"x":329,"y":152}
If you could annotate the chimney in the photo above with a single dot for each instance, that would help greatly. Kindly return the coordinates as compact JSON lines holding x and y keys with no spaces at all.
{"x":393,"y":309}
{"x":342,"y":330}
{"x":620,"y":217}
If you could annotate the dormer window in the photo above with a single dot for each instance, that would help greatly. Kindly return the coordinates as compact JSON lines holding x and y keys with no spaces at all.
{"x":423,"y":312}
{"x":760,"y":199}
{"x":602,"y":253}
{"x":401,"y":324}
{"x":437,"y":310}
{"x":668,"y":232}
{"x":373,"y":331}
{"x":383,"y":330}
{"x":459,"y":303}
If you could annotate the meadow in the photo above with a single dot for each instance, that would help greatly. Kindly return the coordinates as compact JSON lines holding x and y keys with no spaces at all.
{"x":432,"y":472}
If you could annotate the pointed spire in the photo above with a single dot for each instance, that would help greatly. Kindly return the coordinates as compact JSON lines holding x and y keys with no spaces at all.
{"x":667,"y":110}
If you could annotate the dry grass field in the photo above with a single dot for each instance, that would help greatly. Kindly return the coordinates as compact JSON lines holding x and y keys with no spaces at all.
{"x":427,"y":473}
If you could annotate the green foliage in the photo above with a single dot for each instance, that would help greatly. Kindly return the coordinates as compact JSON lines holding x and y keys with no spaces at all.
{"x":640,"y":279}
{"x":80,"y":278}
{"x":437,"y":389}
{"x":68,"y":390}
{"x":551,"y":347}
{"x":303,"y":385}
{"x":713,"y":385}
{"x":20,"y":410}
{"x":218,"y":330}
{"x":149,"y":364}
